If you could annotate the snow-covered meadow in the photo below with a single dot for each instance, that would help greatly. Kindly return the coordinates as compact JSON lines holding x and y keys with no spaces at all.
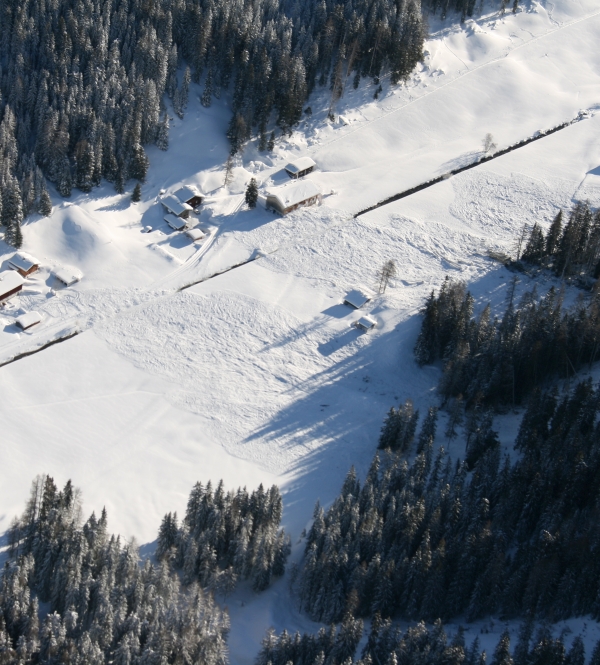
{"x":257,"y":375}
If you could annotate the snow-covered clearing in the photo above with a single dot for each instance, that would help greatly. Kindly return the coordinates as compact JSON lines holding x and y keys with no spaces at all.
{"x":256,"y":375}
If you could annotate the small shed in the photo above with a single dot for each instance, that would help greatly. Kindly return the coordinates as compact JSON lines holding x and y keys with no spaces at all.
{"x":26,"y":321}
{"x":67,"y":276}
{"x":175,"y":207}
{"x":23,"y":263}
{"x":190,"y":195}
{"x":357,"y":298}
{"x":176,"y":223}
{"x":11,"y":282}
{"x":195,"y":234}
{"x":292,"y":196}
{"x":300,"y":167}
{"x":365,"y":323}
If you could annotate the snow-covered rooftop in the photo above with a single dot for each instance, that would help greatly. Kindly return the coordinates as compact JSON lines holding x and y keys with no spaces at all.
{"x":68,"y":276}
{"x":9,"y":280}
{"x":22,"y":261}
{"x":187,"y":192}
{"x":366,"y":323}
{"x":358,"y":297}
{"x":195,"y":234}
{"x":174,"y":205}
{"x":29,"y":319}
{"x":175,"y":222}
{"x":294,"y":192}
{"x":300,"y":164}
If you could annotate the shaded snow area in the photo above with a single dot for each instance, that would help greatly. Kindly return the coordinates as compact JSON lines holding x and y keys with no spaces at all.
{"x":255,"y":373}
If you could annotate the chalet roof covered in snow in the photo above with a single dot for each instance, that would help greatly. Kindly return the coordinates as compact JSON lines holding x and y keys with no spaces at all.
{"x":195,"y":234}
{"x":174,"y":205}
{"x":28,"y":320}
{"x":175,"y":222}
{"x":357,"y":297}
{"x":23,"y":262}
{"x":9,"y":281}
{"x":67,"y":275}
{"x":300,"y":164}
{"x":293,"y":193}
{"x":187,"y":193}
{"x":365,"y":323}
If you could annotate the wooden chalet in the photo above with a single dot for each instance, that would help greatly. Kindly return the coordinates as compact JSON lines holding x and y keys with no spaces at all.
{"x":195,"y":234}
{"x":11,"y":282}
{"x":23,"y":263}
{"x":177,"y":223}
{"x":300,"y":167}
{"x":357,"y":298}
{"x":365,"y":323}
{"x":67,"y":276}
{"x":26,"y":321}
{"x":175,"y":207}
{"x":190,"y":195}
{"x":290,"y":197}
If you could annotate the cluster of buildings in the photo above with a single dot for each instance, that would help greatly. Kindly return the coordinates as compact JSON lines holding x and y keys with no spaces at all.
{"x":283,"y":198}
{"x":179,"y":205}
{"x":296,"y":194}
{"x":21,"y":265}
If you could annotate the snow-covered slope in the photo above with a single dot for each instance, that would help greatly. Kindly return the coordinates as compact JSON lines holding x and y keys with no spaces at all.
{"x":257,"y":375}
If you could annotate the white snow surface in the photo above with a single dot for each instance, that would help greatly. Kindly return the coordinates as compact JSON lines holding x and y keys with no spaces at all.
{"x":257,"y":374}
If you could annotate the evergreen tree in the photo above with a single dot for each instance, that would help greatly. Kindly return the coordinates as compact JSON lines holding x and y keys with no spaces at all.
{"x":137,"y":193}
{"x":45,"y":204}
{"x":251,"y":193}
{"x":535,"y":248}
{"x":162,"y":133}
{"x":554,"y":234}
{"x":139,"y":164}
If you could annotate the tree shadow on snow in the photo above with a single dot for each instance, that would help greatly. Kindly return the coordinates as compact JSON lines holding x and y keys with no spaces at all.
{"x":336,"y":415}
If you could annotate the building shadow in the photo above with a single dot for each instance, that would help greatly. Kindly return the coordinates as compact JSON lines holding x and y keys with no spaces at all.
{"x":337,"y":343}
{"x":338,"y":311}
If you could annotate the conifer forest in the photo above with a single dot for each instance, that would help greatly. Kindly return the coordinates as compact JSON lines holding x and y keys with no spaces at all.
{"x":82,"y":83}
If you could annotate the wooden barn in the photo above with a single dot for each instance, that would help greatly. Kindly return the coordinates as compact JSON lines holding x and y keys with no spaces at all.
{"x":67,"y":276}
{"x":190,"y":195}
{"x":357,"y":298}
{"x":195,"y":234}
{"x":11,"y":282}
{"x":365,"y":323}
{"x":23,"y":263}
{"x":174,"y":222}
{"x":175,"y":207}
{"x":300,"y":167}
{"x":26,"y":321}
{"x":290,"y":197}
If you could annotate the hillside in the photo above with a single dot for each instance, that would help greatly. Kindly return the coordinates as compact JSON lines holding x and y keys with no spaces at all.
{"x":256,"y":375}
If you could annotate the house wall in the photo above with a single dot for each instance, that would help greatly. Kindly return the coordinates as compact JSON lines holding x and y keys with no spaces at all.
{"x":10,"y":294}
{"x":272,"y":202}
{"x":307,"y":202}
{"x":300,"y":174}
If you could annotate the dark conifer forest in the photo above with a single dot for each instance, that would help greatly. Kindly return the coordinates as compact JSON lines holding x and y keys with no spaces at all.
{"x":104,"y":606}
{"x":227,"y":536}
{"x":100,"y":604}
{"x":438,"y":538}
{"x":571,"y":249}
{"x":496,"y":361}
{"x":418,"y":645}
